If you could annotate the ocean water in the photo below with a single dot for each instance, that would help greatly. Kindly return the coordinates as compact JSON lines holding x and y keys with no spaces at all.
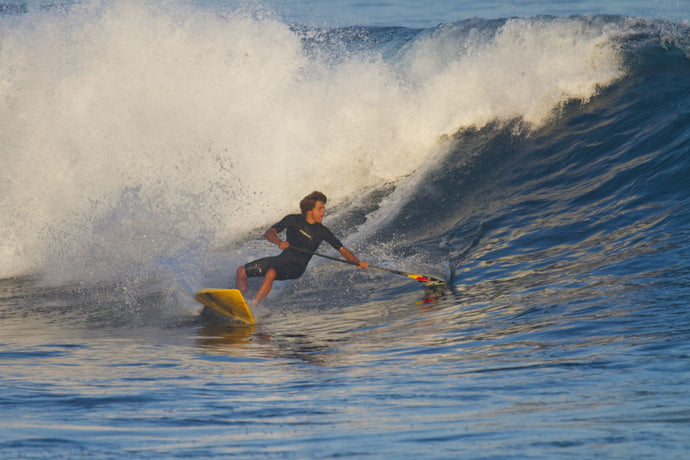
{"x":534,"y":154}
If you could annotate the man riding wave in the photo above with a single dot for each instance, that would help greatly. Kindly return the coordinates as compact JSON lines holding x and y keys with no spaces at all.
{"x":304,"y":233}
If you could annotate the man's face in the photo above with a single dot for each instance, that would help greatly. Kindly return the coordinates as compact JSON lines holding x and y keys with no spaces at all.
{"x":318,"y":211}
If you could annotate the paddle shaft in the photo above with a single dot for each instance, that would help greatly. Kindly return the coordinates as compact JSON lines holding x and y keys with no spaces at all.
{"x":337,"y":259}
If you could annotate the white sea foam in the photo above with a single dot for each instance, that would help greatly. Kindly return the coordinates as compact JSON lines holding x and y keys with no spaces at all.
{"x":135,"y":130}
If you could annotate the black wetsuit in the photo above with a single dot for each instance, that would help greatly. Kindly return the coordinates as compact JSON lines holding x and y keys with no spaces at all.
{"x":291,"y":263}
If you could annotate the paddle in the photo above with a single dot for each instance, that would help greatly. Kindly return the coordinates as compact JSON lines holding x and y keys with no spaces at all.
{"x":434,"y":286}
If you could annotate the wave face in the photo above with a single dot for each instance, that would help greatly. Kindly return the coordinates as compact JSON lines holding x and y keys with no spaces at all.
{"x":600,"y":190}
{"x":140,"y":138}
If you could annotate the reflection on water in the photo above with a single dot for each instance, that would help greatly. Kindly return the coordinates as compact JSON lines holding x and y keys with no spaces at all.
{"x":229,"y":337}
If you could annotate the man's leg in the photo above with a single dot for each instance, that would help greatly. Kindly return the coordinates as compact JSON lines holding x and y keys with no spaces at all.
{"x":241,"y":280}
{"x":266,"y":286}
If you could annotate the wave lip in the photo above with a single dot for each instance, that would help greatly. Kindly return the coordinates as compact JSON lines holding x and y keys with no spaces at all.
{"x":473,"y":73}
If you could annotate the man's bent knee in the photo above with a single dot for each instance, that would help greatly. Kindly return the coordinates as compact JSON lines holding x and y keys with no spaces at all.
{"x":241,"y":279}
{"x":271,"y":274}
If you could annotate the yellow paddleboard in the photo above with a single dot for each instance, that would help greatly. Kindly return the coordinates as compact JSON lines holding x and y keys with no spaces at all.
{"x":226,"y":302}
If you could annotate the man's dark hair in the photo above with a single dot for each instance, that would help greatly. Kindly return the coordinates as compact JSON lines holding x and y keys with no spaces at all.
{"x":309,"y":201}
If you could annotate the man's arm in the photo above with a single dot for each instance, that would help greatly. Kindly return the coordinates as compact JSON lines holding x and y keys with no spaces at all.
{"x":351,"y":258}
{"x":272,"y":235}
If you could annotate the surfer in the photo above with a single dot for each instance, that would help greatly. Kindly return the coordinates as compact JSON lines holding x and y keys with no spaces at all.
{"x":304,"y":233}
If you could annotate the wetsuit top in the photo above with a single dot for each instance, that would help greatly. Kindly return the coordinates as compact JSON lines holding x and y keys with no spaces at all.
{"x":301,"y":234}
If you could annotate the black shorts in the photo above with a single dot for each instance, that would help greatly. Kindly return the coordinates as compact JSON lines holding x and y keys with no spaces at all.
{"x":286,"y":268}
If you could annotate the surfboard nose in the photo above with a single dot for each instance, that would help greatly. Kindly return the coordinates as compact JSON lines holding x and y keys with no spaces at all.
{"x":229,"y":303}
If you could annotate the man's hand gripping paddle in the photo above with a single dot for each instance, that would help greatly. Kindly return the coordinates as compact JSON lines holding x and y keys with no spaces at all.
{"x":435,"y":288}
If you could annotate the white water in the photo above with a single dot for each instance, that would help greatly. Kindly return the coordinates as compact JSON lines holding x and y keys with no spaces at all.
{"x":135,"y":130}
